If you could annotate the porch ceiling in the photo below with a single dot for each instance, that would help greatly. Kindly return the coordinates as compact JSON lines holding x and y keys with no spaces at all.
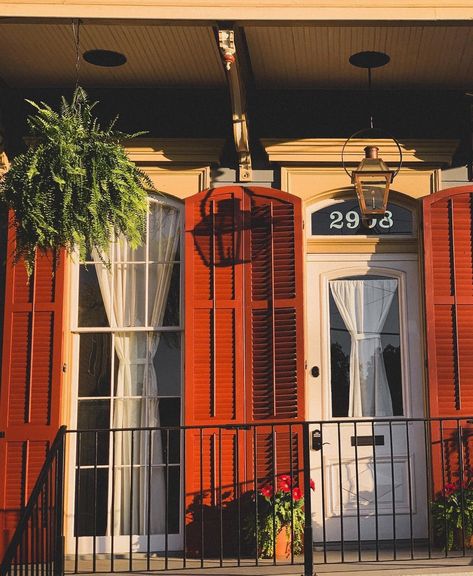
{"x":282,"y":57}
{"x":316,"y":57}
{"x":35,"y":54}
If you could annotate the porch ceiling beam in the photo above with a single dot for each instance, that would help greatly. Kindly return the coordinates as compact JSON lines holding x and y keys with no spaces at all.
{"x":236,"y":85}
{"x":255,"y":10}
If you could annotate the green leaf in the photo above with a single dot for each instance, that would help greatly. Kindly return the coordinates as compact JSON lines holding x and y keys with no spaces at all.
{"x":75,"y":185}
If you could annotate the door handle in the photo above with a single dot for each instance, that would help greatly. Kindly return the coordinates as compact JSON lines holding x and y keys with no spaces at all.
{"x":317,"y":440}
{"x":315,"y":371}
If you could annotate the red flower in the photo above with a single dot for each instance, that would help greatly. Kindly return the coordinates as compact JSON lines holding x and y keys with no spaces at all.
{"x":296,"y":494}
{"x":284,"y":479}
{"x":449,"y":489}
{"x":312,"y":484}
{"x":267,"y":491}
{"x":285,"y":487}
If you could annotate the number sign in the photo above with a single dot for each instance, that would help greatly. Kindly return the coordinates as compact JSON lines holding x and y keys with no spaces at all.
{"x":345,"y":219}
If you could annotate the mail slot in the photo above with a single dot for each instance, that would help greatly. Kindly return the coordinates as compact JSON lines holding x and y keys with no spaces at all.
{"x":367,"y":440}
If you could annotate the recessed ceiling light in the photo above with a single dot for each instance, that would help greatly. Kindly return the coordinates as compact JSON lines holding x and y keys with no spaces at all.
{"x":106,"y":58}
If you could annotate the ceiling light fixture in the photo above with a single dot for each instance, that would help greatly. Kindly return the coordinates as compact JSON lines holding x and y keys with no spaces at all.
{"x":104,"y":58}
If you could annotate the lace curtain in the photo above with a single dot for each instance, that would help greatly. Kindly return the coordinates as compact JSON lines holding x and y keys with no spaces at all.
{"x":124,"y":289}
{"x":364,"y":306}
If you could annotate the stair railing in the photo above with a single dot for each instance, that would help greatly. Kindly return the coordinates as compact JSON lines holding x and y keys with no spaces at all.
{"x":37,"y":546}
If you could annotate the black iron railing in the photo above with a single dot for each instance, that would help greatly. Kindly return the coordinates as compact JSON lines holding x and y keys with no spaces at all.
{"x":201,"y":496}
{"x":37,"y":544}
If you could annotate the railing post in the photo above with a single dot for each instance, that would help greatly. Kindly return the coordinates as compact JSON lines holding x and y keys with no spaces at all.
{"x":58,"y":569}
{"x":308,"y":537}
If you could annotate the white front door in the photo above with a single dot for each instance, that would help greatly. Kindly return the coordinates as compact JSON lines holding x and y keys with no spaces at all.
{"x":365,"y":365}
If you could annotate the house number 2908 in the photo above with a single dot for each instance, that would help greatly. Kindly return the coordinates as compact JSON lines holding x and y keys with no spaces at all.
{"x":352,"y":220}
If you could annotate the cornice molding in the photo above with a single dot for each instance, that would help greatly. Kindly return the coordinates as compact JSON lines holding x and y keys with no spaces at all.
{"x":262,"y":10}
{"x":177,"y":150}
{"x":196,"y":151}
{"x":328,"y":150}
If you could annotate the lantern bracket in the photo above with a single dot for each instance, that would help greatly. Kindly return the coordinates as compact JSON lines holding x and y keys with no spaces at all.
{"x":364,"y":131}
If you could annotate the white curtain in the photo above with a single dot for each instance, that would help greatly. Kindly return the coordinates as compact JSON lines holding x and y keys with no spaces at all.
{"x":124,"y":291}
{"x":363,"y":306}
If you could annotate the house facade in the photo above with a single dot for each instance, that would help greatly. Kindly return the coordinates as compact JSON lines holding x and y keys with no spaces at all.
{"x":262,"y":299}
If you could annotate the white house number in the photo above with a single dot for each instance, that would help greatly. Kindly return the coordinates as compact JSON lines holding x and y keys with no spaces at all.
{"x":352,"y":220}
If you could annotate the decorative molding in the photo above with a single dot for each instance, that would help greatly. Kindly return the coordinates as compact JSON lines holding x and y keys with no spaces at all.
{"x":226,"y":43}
{"x":353,"y":245}
{"x":270,"y":10}
{"x":179,"y":181}
{"x":238,"y":99}
{"x":328,"y":150}
{"x":157,"y":150}
{"x":4,"y":162}
{"x":179,"y":150}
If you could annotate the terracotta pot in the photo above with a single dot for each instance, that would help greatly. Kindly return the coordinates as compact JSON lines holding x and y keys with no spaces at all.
{"x":283,"y":545}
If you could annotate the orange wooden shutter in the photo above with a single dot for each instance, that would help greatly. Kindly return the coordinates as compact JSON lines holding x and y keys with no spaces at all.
{"x":244,"y":338}
{"x":449,"y":300}
{"x":448,"y":245}
{"x":31,"y":377}
{"x":274,"y":328}
{"x":214,"y":353}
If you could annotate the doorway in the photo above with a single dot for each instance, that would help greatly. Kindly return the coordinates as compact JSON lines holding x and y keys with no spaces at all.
{"x":365,"y":391}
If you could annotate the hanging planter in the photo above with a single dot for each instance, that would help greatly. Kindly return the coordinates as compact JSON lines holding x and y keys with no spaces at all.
{"x":75,"y":187}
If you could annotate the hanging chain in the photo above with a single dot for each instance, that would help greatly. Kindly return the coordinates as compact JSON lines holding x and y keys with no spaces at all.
{"x":76,"y":33}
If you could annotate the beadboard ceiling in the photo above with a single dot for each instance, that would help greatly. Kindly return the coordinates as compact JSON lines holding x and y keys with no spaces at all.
{"x":287,"y":56}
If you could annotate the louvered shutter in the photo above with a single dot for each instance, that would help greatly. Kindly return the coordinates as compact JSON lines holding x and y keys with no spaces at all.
{"x":274,"y":329}
{"x":31,"y":377}
{"x":214,"y":389}
{"x":244,"y":344}
{"x":448,"y":245}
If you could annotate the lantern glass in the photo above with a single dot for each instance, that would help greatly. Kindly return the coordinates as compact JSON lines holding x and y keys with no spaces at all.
{"x":372,"y":191}
{"x":372,"y":179}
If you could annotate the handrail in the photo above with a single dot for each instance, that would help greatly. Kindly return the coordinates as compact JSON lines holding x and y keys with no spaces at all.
{"x":48,"y":547}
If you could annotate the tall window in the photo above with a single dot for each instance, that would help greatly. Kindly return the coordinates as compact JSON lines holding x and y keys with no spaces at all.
{"x":129,"y":328}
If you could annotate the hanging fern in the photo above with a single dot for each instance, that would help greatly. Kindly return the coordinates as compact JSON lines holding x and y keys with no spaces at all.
{"x":74,"y":187}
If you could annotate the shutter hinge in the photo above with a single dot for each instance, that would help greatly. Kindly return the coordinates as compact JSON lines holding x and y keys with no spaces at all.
{"x":64,"y":367}
{"x":305,"y":364}
{"x":303,"y":224}
{"x":2,"y":434}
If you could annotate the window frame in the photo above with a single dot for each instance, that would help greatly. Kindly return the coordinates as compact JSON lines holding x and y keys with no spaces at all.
{"x":76,"y":331}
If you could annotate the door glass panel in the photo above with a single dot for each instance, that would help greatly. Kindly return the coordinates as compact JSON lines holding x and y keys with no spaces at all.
{"x":365,"y":352}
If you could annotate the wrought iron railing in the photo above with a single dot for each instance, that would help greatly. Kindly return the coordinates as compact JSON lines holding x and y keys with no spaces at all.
{"x":36,"y":547}
{"x":145,"y":499}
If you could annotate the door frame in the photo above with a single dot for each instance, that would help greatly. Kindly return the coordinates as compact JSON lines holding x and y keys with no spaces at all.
{"x":405,"y":268}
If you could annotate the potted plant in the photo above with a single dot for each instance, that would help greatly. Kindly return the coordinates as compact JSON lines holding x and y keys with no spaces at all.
{"x":452,"y":514}
{"x":278,"y":527}
{"x":74,"y":187}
